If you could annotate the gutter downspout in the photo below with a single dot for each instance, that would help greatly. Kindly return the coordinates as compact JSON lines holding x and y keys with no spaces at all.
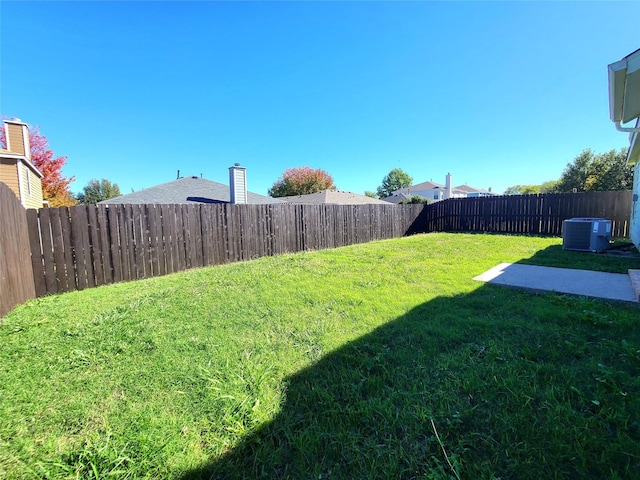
{"x":626,"y":130}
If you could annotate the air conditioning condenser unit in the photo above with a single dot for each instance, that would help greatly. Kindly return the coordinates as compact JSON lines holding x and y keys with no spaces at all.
{"x":586,"y":234}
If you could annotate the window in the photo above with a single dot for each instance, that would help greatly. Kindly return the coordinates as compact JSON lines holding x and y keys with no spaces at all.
{"x":27,"y":180}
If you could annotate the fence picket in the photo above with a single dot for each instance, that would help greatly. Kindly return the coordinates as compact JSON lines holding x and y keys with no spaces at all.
{"x":95,"y":245}
{"x":103,"y":232}
{"x":58,"y":251}
{"x":155,"y":240}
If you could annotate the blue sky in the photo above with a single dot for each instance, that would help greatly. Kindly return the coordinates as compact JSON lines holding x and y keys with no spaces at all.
{"x":497,"y":93}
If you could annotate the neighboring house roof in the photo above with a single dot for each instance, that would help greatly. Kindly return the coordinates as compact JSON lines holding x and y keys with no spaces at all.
{"x":187,"y":190}
{"x":396,"y":198}
{"x":468,"y":189}
{"x":408,"y":192}
{"x":421,"y":187}
{"x":332,"y":197}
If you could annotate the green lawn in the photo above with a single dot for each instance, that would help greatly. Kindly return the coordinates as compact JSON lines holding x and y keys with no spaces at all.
{"x":382,"y":360}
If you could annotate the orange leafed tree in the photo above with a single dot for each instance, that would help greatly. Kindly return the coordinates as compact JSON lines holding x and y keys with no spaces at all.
{"x":301,"y":181}
{"x":55,"y":186}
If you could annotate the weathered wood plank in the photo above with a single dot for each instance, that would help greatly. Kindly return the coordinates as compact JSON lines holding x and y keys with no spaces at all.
{"x":105,"y":242}
{"x":154,"y":240}
{"x":95,"y":245}
{"x":78,"y":225}
{"x":47,"y":251}
{"x":58,"y":250}
{"x":114,"y":215}
{"x":169,"y":237}
{"x":17,"y":283}
{"x":128,"y":243}
{"x":33,"y":224}
{"x":145,"y":241}
{"x":196,"y":229}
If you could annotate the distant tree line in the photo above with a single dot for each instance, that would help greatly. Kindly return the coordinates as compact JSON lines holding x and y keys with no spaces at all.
{"x":588,"y":172}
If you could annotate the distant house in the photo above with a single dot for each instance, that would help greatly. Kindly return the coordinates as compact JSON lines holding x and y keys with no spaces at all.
{"x":16,"y":169}
{"x":333,"y":197}
{"x":624,"y":107}
{"x":197,"y":190}
{"x":435,"y":192}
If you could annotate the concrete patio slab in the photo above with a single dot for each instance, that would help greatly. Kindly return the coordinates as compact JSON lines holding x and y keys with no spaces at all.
{"x":611,"y":286}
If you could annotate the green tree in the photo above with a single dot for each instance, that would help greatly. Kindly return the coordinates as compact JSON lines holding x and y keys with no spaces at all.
{"x":612,"y":172}
{"x":98,"y":190}
{"x":546,"y":187}
{"x":394,"y":180}
{"x":576,"y":174}
{"x":301,"y":181}
{"x":370,"y":194}
{"x":591,"y":172}
{"x":522,"y":189}
{"x":550,"y":186}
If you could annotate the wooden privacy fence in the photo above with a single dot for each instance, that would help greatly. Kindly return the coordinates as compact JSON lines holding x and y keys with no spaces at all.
{"x":91,"y":245}
{"x":62,"y":249}
{"x":528,"y":214}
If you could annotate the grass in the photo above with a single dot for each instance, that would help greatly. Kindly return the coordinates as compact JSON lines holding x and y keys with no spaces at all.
{"x":382,"y":360}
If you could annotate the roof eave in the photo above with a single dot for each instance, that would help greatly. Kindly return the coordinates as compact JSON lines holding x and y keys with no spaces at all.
{"x":624,"y":88}
{"x":23,"y":159}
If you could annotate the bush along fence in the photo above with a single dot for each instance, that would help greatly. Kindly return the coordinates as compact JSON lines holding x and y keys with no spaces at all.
{"x":62,"y":249}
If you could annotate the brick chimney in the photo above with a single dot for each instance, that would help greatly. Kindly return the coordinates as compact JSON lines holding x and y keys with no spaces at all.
{"x":238,"y":184}
{"x":17,"y":133}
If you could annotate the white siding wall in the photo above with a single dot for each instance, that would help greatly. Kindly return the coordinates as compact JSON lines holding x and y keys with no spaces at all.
{"x":635,"y":208}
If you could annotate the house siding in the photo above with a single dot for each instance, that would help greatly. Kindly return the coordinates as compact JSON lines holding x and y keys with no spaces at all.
{"x":634,"y":227}
{"x":33,"y":199}
{"x":31,"y":183}
{"x":435,"y":194}
{"x":9,"y":175}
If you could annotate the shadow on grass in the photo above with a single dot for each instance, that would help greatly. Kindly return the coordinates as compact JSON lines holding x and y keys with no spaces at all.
{"x":514,"y":385}
{"x":615,"y":260}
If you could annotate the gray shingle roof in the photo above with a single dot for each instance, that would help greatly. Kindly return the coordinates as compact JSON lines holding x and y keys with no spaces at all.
{"x":421,"y":186}
{"x":468,"y":189}
{"x":187,"y":190}
{"x":396,"y":197}
{"x":333,"y":197}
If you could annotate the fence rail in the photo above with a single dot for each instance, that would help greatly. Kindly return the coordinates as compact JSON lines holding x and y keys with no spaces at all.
{"x":62,"y":249}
